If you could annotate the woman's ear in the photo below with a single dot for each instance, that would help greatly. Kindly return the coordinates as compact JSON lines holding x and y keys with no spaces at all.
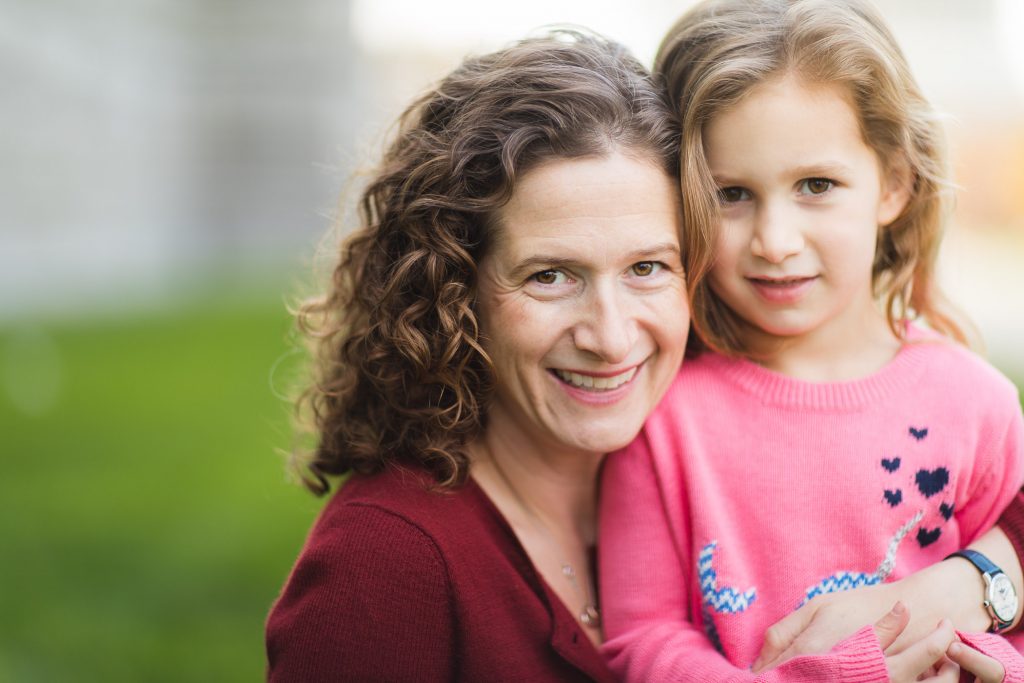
{"x":897,"y":185}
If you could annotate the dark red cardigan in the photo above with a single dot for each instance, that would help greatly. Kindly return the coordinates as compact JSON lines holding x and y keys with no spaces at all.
{"x":398,"y":583}
{"x":1012,"y":524}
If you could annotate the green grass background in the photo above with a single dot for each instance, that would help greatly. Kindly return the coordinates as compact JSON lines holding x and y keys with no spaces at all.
{"x":146,"y":523}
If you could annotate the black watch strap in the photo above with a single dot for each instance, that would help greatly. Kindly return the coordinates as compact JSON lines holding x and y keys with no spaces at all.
{"x":984,"y":565}
{"x":988,"y":569}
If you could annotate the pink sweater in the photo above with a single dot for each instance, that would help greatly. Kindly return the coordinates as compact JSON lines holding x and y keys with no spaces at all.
{"x":749,"y":492}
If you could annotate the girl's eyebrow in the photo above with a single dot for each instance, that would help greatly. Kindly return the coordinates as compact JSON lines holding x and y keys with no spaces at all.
{"x":824,"y":168}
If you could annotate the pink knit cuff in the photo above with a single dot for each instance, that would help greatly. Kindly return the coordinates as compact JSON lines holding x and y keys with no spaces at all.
{"x":860,"y":657}
{"x":998,"y":648}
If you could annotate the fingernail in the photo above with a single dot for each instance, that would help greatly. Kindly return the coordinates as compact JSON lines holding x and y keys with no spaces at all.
{"x":954,"y":649}
{"x":899,"y":608}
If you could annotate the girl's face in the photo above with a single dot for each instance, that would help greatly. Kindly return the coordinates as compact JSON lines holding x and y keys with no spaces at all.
{"x":802,"y":198}
{"x":582,"y":302}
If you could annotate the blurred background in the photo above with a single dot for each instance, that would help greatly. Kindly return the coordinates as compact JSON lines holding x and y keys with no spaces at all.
{"x":169,"y":167}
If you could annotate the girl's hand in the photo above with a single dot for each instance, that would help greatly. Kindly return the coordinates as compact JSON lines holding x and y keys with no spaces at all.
{"x":924,"y":660}
{"x":824,"y":621}
{"x":984,"y":668}
{"x":950,"y":589}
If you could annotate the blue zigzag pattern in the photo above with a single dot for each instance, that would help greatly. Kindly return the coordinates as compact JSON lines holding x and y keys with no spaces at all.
{"x":844,"y":580}
{"x":841,"y":581}
{"x":724,"y":600}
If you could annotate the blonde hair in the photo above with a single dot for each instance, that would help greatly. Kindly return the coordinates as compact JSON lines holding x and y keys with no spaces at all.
{"x":721,"y":49}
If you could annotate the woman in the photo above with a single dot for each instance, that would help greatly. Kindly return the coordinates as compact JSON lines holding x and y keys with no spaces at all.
{"x":512,"y":307}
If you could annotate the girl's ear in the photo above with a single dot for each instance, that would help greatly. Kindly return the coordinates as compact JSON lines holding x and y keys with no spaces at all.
{"x":897,"y":183}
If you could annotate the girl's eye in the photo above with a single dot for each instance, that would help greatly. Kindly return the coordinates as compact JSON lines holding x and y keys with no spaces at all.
{"x":732,"y":195}
{"x":816,"y":186}
{"x":646,"y":268}
{"x":549,"y":277}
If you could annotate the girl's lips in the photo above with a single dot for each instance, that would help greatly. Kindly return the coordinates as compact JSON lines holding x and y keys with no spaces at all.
{"x":782,"y":290}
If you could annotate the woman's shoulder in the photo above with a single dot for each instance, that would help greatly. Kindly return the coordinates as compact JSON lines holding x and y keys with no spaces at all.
{"x":372,"y":573}
{"x":400,"y":497}
{"x":401,"y":518}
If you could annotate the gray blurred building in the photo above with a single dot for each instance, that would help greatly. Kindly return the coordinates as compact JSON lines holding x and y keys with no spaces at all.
{"x":146,"y":142}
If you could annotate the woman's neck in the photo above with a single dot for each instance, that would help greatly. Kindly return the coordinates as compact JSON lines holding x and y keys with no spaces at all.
{"x":548,"y":496}
{"x":524,"y":478}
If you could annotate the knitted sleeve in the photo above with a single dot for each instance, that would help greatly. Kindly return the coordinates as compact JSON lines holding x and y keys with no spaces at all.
{"x":644,"y":597}
{"x":998,"y":648}
{"x":999,"y":468}
{"x":368,"y":599}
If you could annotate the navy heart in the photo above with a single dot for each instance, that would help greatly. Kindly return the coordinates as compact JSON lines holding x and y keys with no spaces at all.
{"x":946,"y":510}
{"x":919,"y":433}
{"x":930,"y":482}
{"x":893,"y":498}
{"x":891,"y":465}
{"x":926,"y":537}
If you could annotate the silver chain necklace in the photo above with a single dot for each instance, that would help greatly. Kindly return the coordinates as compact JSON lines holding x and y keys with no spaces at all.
{"x":589,"y":615}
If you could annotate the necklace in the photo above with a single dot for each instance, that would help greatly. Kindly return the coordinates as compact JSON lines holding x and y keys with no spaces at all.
{"x":589,"y":615}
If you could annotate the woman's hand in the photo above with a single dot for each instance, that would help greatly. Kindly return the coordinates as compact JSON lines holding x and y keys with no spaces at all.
{"x":924,"y":660}
{"x":984,"y":668}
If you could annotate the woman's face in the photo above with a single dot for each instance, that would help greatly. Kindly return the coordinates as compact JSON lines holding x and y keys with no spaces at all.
{"x":582,"y":301}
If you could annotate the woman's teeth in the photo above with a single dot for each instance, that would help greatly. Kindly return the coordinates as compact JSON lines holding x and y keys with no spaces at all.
{"x":596,"y":383}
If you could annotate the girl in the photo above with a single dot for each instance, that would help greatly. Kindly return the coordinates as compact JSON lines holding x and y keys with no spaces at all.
{"x":818,"y":440}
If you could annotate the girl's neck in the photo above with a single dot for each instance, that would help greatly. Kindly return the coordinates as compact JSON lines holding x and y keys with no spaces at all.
{"x":826,"y":356}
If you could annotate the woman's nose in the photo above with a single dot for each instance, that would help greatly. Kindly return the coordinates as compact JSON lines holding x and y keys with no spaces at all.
{"x":777,"y":232}
{"x":607,"y":325}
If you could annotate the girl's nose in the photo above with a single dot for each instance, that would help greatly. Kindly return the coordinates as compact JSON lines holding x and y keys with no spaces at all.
{"x":777,"y":234}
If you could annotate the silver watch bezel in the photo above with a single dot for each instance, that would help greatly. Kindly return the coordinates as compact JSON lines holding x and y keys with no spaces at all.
{"x":1000,"y":609}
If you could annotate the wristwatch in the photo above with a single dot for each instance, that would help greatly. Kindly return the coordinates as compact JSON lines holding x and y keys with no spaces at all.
{"x":1000,"y":596}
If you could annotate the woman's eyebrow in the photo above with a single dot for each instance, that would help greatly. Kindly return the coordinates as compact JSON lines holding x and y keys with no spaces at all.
{"x":654,"y":250}
{"x":537,"y":261}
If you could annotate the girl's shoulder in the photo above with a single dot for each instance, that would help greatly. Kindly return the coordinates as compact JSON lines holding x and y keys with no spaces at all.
{"x":963,"y":373}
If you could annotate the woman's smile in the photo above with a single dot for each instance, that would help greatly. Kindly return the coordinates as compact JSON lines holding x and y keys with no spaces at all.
{"x":582,"y":302}
{"x":596,"y":381}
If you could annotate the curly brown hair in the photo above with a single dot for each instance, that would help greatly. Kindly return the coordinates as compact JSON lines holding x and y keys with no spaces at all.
{"x":401,"y":375}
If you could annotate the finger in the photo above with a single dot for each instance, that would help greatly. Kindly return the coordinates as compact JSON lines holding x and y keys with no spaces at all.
{"x":949,"y":672}
{"x":984,"y":668}
{"x":891,"y":625}
{"x":909,"y":664}
{"x":781,"y":635}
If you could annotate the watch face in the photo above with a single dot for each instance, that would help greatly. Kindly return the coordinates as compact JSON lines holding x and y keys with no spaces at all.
{"x":1003,"y":597}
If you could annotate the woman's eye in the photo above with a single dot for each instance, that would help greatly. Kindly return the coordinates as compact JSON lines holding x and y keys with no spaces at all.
{"x":816,"y":186}
{"x":549,"y":277}
{"x":732,"y":195}
{"x":646,"y":268}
